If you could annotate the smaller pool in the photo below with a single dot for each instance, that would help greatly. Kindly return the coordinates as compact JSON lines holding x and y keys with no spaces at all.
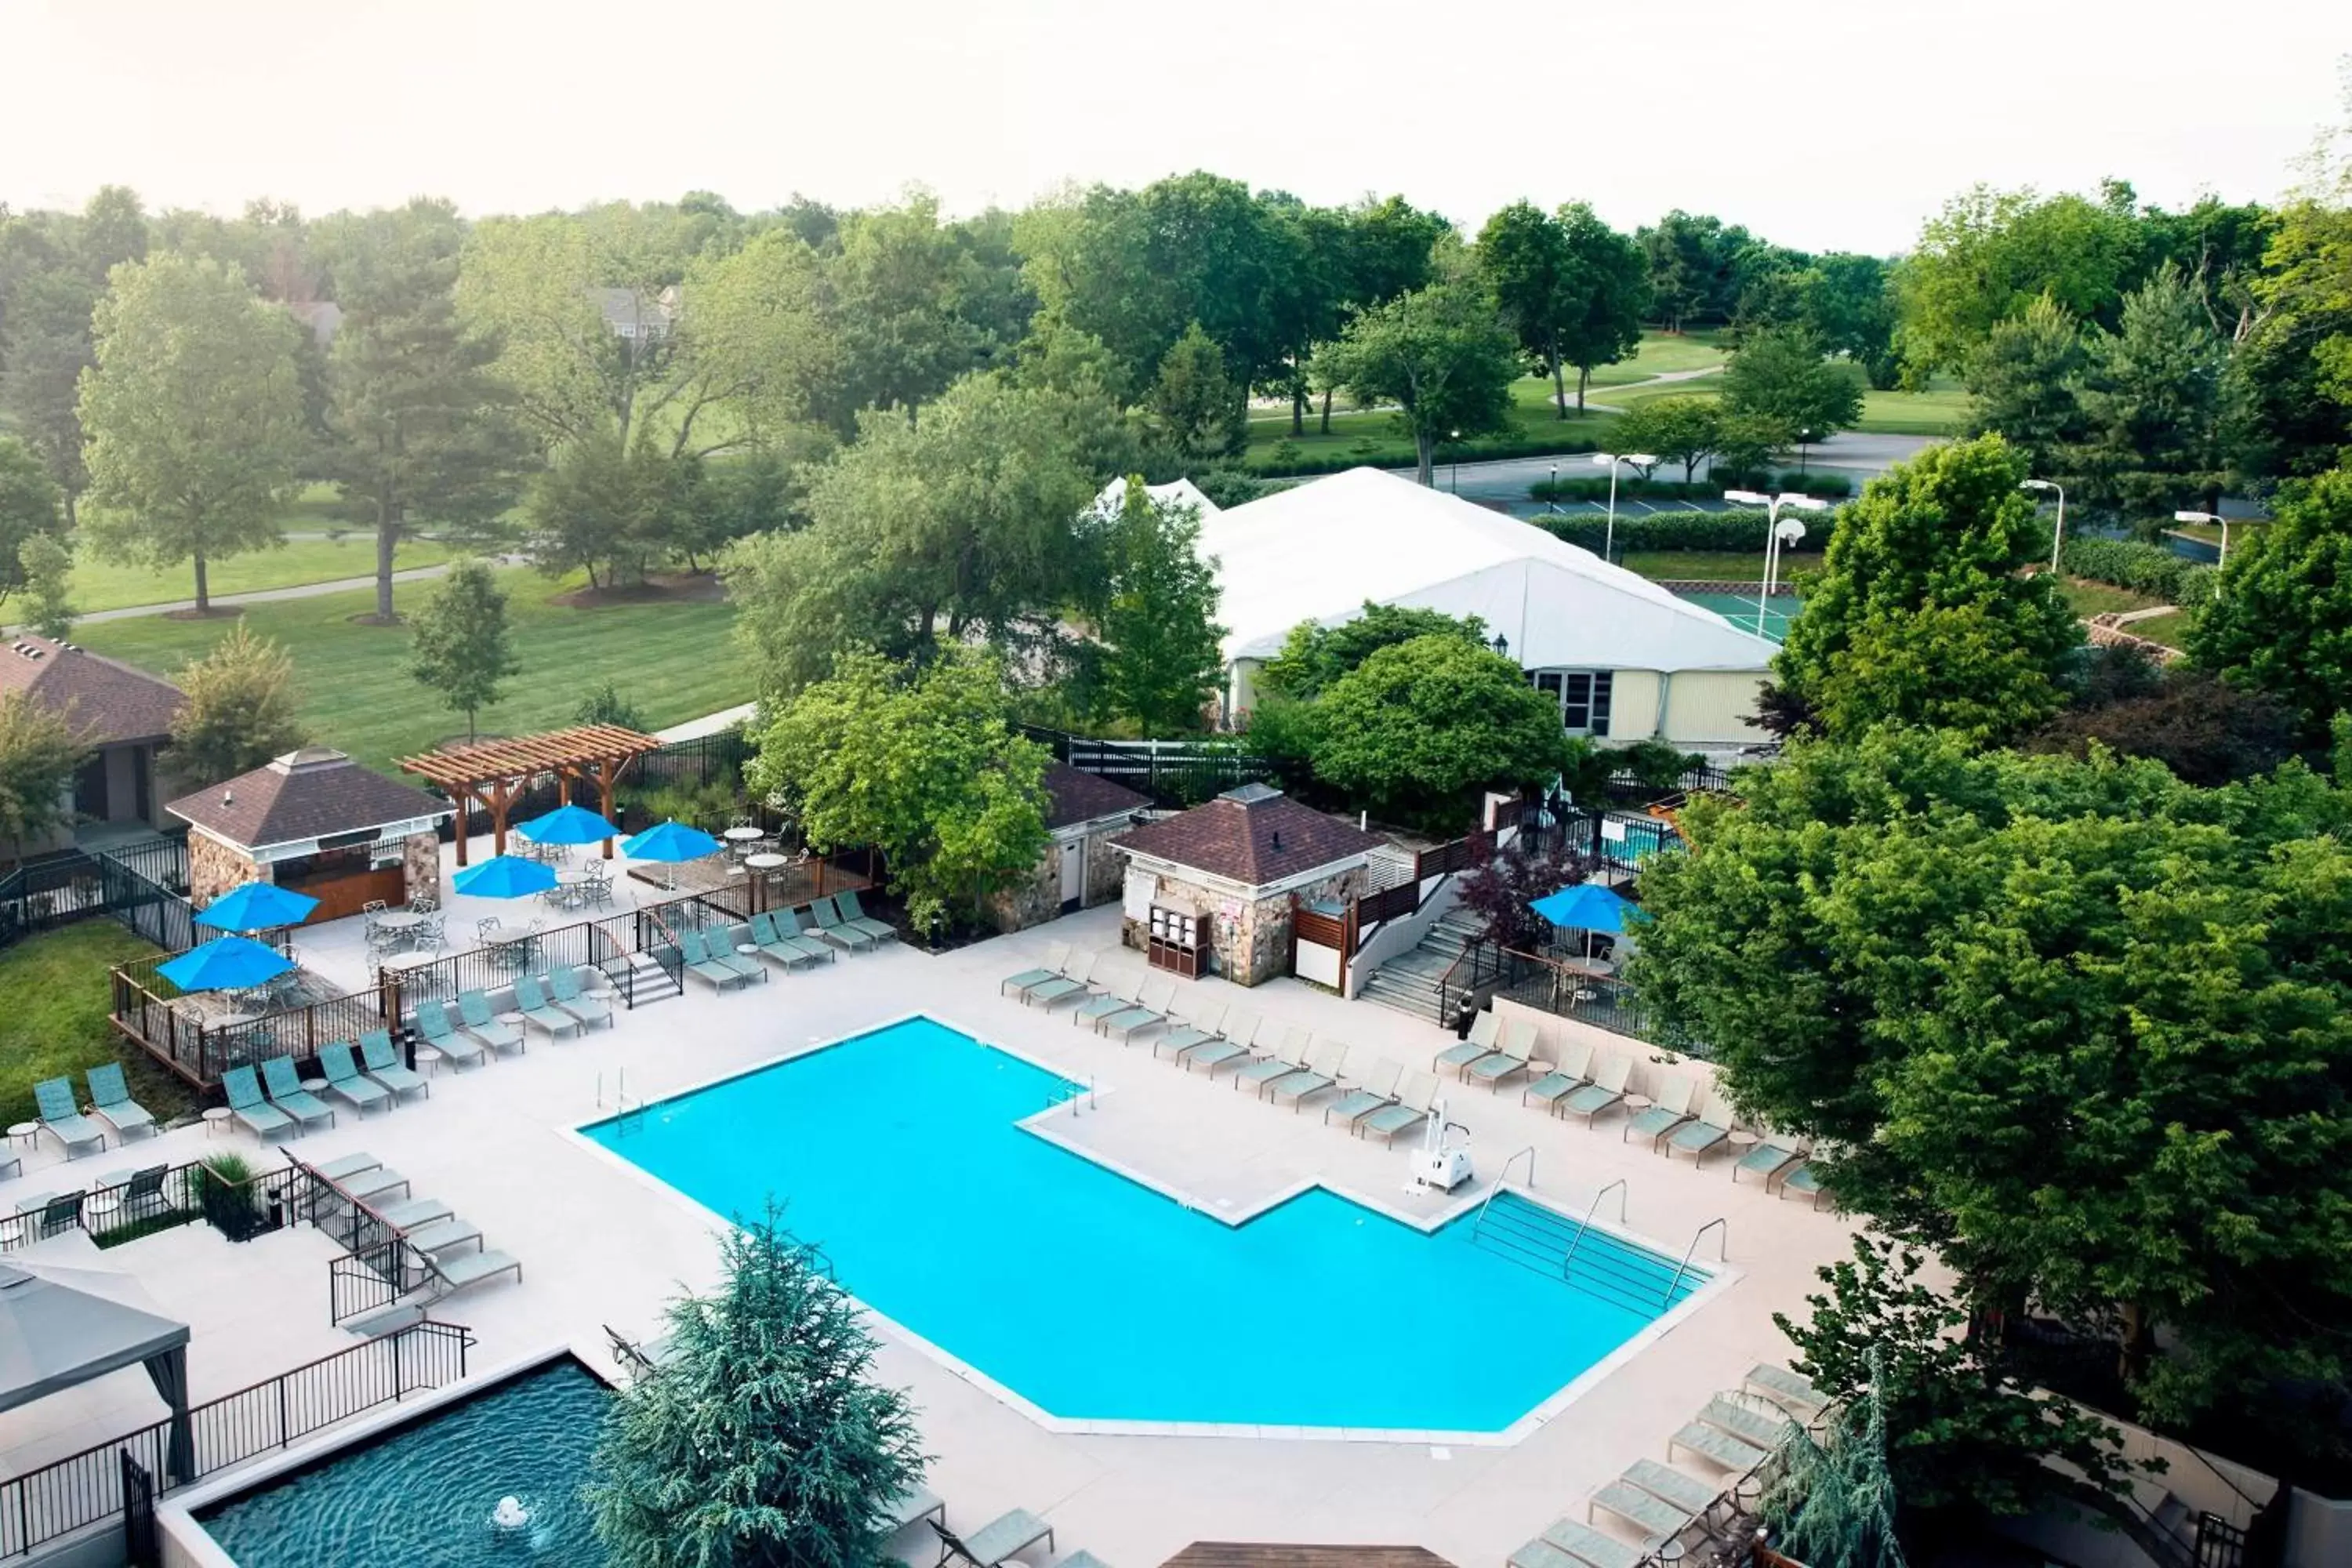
{"x":423,"y":1493}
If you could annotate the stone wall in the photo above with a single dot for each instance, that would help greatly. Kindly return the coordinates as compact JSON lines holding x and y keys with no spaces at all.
{"x":420,"y":867}
{"x":1032,"y":900}
{"x":1249,"y":939}
{"x":214,"y":869}
{"x":1106,"y":866}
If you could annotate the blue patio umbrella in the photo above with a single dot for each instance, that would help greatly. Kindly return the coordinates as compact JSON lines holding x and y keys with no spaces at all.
{"x":257,"y":906}
{"x":568,"y":824}
{"x":1588,"y":906}
{"x":505,"y":877}
{"x":225,"y":963}
{"x":671,"y":841}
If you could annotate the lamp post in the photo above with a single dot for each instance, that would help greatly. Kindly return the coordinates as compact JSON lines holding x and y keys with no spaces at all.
{"x":1776,"y":533}
{"x":2058,"y":534}
{"x":1455,"y":436}
{"x":1552,"y":490}
{"x":2219,"y":522}
{"x":1641,"y":461}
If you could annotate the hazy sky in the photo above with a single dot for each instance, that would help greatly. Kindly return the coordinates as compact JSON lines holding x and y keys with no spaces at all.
{"x":1821,"y":123}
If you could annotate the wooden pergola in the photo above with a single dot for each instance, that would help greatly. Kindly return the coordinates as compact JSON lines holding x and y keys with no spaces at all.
{"x":495,"y":773}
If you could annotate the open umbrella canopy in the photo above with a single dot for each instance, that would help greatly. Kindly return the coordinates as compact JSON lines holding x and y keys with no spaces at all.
{"x":60,"y":1325}
{"x":672,"y":840}
{"x":1588,"y":906}
{"x":505,"y":877}
{"x":225,"y":963}
{"x":257,"y":906}
{"x":568,"y":824}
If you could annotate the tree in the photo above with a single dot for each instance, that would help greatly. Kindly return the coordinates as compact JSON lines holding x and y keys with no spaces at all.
{"x":2205,"y":729}
{"x":2277,"y":620}
{"x":40,"y":752}
{"x":1313,"y":654}
{"x":605,"y":705}
{"x":2291,"y":367}
{"x":1684,"y":429}
{"x":1441,"y":355}
{"x":1608,"y":290}
{"x":1418,"y":728}
{"x":1780,"y":375}
{"x":416,"y":428}
{"x":46,"y":347}
{"x":1920,"y":615}
{"x":30,"y":504}
{"x":1834,"y":1506}
{"x":1162,"y":656}
{"x":193,"y":417}
{"x":764,"y":1440}
{"x":1199,"y":411}
{"x":1690,"y":261}
{"x":47,"y":566}
{"x":897,"y":288}
{"x":1500,"y":891}
{"x":242,"y":709}
{"x":2024,"y":383}
{"x":1524,"y":261}
{"x":922,"y":764}
{"x":607,"y":510}
{"x":2155,"y":404}
{"x":460,"y":644}
{"x":1990,"y":254}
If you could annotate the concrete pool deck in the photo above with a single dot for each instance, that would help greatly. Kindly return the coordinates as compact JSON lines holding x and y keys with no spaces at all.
{"x":601,"y":1243}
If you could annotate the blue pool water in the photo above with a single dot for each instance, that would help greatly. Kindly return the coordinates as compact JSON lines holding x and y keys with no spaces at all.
{"x":1095,"y":1297}
{"x":423,"y":1494}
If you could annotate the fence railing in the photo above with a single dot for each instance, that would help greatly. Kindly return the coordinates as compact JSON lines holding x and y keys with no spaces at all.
{"x":85,"y":1488}
{"x":1172,"y":773}
{"x":200,"y":1049}
{"x":142,"y":885}
{"x":1487,"y":968}
{"x":160,"y":1197}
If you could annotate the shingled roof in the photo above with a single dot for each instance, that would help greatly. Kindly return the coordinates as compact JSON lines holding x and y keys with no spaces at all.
{"x":1075,"y":796}
{"x":1254,"y":835}
{"x":110,"y":704}
{"x":315,"y":792}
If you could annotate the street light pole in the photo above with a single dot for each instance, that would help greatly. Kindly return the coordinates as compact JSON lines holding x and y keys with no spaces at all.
{"x":1773,"y":528}
{"x":1551,"y":496}
{"x":2220,"y":521}
{"x":1644,"y":462}
{"x":2058,"y":534}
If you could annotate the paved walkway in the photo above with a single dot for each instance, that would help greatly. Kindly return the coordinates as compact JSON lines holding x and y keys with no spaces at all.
{"x":257,"y":596}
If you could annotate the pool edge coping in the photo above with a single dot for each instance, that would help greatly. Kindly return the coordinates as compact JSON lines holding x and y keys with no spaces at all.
{"x":1721,"y":1275}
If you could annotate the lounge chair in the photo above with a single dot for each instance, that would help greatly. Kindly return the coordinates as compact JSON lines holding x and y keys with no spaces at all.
{"x":789,"y":927}
{"x":375,"y":1185}
{"x":63,"y":1121}
{"x":1541,"y":1553}
{"x":457,"y":1050}
{"x":846,"y":905}
{"x":346,"y":1081}
{"x":284,"y":1087}
{"x":538,"y":1012}
{"x":456,"y":1273}
{"x":1185,"y":1034}
{"x":412,"y":1213}
{"x":49,"y":1213}
{"x":1791,"y":1392}
{"x":1378,"y":1090}
{"x":915,"y":1502}
{"x":1057,"y":958}
{"x":1768,"y":1157}
{"x":699,"y":964}
{"x":1414,"y":1097}
{"x":563,"y":985}
{"x":1668,"y":1112}
{"x":1716,"y":1447}
{"x":383,"y":1065}
{"x":1646,"y":1512}
{"x":11,"y":1167}
{"x":346,"y":1165}
{"x":143,"y":1194}
{"x":1757,"y":1421}
{"x":246,"y":1107}
{"x":1702,"y":1134}
{"x":1232,"y":1043}
{"x":1288,"y":1057}
{"x":444,"y":1234}
{"x":833,"y":929}
{"x":725,"y":945}
{"x":1325,"y":1066}
{"x":1070,"y":983}
{"x":474,"y":1016}
{"x":777,"y":948}
{"x":1804,"y":1180}
{"x":1483,"y":1031}
{"x":1684,"y":1491}
{"x":110,"y":1101}
{"x":1568,"y":1075}
{"x":998,"y":1540}
{"x":1153,"y":998}
{"x":1510,"y":1058}
{"x":1607,"y":1089}
{"x":1115,"y":996}
{"x":1589,"y":1546}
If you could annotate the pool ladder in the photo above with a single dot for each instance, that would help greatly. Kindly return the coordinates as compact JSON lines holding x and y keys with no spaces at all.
{"x":622,"y":1109}
{"x":1070,"y":1093}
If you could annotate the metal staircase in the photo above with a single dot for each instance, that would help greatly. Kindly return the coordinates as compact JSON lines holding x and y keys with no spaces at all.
{"x":1413,"y":982}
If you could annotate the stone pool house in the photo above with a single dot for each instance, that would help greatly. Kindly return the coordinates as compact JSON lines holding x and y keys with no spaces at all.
{"x":1079,"y":870}
{"x":123,"y":715}
{"x":317,"y":822}
{"x":1212,"y":889}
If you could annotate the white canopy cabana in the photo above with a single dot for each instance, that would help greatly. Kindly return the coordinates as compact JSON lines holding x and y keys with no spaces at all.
{"x":61,"y":1326}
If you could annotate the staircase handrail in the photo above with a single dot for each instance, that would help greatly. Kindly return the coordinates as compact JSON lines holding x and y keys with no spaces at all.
{"x":1717,"y":1222}
{"x":1502,"y":1176}
{"x":1623,"y":1191}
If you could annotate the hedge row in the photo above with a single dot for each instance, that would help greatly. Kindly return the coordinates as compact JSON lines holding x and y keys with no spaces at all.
{"x":1832,"y":487}
{"x":2147,"y":569}
{"x":1394,"y":454}
{"x":1741,"y":531}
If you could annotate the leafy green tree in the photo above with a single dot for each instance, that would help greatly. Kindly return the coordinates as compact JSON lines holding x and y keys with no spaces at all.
{"x":768,"y":344}
{"x":2157,"y":404}
{"x":2278,"y":622}
{"x":193,"y":417}
{"x":47,"y":566}
{"x":30,"y":504}
{"x":1920,"y":615}
{"x":1418,"y":728}
{"x":2024,"y":383}
{"x":1440,"y":354}
{"x":1781,"y":375}
{"x":1990,"y":254}
{"x":2291,"y":367}
{"x":1162,"y":658}
{"x":2204,"y":728}
{"x":605,"y":705}
{"x":896,"y":290}
{"x":1523,"y":259}
{"x":45,"y":348}
{"x":606,"y":511}
{"x":40,"y":752}
{"x":1199,"y":412}
{"x":242,"y":709}
{"x":1684,"y":429}
{"x":1314,"y":656}
{"x":1608,"y":290}
{"x":1692,"y":263}
{"x":1847,"y":301}
{"x":417,"y":430}
{"x":460,"y":644}
{"x":763,"y":1440}
{"x":923,"y":764}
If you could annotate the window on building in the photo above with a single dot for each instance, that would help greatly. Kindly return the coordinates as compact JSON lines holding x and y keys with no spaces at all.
{"x":1582,"y":695}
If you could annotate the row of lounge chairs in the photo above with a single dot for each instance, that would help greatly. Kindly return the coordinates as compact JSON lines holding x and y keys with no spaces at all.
{"x":448,"y":1253}
{"x":558,"y":1004}
{"x":111,"y":1109}
{"x":724,"y":956}
{"x":1735,"y":1432}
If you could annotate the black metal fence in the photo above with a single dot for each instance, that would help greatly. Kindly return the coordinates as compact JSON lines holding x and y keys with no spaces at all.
{"x":1488,"y":969}
{"x":200,"y":1047}
{"x":87,"y":1488}
{"x":142,"y":885}
{"x":160,"y":1197}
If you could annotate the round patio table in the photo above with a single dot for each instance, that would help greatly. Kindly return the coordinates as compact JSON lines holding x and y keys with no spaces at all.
{"x":767,"y":862}
{"x":401,"y":920}
{"x":27,"y":1133}
{"x":401,"y":962}
{"x":743,"y":834}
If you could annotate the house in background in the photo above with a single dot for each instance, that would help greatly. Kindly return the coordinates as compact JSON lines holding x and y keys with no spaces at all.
{"x":318,"y":822}
{"x":636,"y":315}
{"x":123,"y":714}
{"x":1079,"y":870}
{"x":1625,"y":660}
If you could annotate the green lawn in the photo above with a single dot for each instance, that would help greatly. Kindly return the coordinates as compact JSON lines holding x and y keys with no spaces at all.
{"x":674,"y":659}
{"x":2088,"y":599}
{"x":1939,"y":411}
{"x":100,"y":585}
{"x":1709,"y":565}
{"x":2170,"y":630}
{"x":54,"y":998}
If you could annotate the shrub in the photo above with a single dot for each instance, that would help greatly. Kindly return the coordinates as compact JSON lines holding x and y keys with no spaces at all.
{"x":1584,"y":488}
{"x":1741,"y":530}
{"x":1829,"y":486}
{"x":2147,"y":569}
{"x":1364,"y":452}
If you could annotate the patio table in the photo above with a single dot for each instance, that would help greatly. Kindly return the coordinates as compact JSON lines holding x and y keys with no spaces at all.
{"x":513,"y":947}
{"x":399,"y":923}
